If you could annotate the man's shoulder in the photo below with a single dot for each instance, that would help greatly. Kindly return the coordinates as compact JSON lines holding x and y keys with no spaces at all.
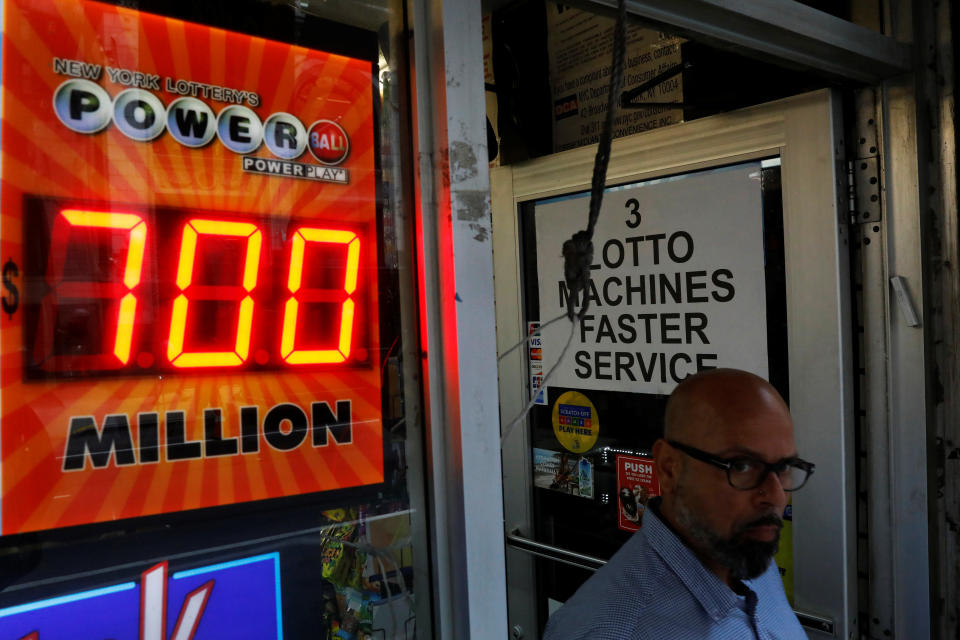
{"x":773,"y":610}
{"x":616,"y":599}
{"x":653,"y":608}
{"x":635,"y":569}
{"x":613,"y":618}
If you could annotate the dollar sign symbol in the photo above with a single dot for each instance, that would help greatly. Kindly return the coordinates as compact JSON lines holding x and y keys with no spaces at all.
{"x":10,"y":303}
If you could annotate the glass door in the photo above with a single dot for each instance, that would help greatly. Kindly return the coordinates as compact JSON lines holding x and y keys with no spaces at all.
{"x":709,"y":251}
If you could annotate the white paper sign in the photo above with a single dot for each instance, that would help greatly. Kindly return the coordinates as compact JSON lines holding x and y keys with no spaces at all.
{"x":580,"y":50}
{"x":677,"y":282}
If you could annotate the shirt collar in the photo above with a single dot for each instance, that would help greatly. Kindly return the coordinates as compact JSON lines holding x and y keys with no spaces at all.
{"x":713,"y":594}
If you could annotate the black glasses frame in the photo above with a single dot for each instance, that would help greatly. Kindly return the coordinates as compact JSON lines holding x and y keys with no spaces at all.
{"x":727,"y":464}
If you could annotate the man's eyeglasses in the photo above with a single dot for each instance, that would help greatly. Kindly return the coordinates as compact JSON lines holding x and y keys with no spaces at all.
{"x":745,"y":473}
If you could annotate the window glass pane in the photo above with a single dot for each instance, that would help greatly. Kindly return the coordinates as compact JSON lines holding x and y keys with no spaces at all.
{"x":202,"y":408}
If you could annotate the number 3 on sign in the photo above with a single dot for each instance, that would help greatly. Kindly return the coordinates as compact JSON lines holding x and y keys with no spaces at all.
{"x":633,"y":206}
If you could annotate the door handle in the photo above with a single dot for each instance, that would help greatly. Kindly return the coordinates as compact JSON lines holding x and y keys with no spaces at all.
{"x":526,"y":545}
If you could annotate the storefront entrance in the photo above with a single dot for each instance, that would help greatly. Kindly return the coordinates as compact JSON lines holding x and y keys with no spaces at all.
{"x":711,"y":250}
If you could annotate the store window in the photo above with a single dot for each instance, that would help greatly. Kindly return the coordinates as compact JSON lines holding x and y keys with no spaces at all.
{"x":203,"y":424}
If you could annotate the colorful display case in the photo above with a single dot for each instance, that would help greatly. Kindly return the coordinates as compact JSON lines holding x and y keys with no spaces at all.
{"x":200,"y":333}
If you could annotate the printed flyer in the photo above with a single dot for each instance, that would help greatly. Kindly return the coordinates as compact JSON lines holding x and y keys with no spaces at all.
{"x":563,"y":472}
{"x":636,"y":484}
{"x":677,"y":280}
{"x":580,"y":51}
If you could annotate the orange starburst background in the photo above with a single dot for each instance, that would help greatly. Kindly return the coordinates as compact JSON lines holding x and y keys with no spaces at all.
{"x":42,"y":157}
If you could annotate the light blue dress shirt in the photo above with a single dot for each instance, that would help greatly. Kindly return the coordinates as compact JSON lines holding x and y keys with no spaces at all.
{"x":655,"y":588}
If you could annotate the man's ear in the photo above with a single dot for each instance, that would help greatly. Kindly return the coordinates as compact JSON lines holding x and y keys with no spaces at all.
{"x":668,"y":465}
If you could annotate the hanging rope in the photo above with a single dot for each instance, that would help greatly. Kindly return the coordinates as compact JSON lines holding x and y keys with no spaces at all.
{"x":578,"y":250}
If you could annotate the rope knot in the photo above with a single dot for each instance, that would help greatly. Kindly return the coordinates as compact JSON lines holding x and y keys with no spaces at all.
{"x":577,"y":258}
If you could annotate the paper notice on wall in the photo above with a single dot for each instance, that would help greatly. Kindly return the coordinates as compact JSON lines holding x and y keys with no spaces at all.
{"x":580,"y":46}
{"x":677,"y":282}
{"x":535,"y":361}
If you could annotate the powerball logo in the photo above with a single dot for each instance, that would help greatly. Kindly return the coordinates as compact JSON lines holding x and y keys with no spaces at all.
{"x":85,"y":107}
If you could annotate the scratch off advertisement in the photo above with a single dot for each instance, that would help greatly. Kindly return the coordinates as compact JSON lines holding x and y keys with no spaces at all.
{"x":190,"y":251}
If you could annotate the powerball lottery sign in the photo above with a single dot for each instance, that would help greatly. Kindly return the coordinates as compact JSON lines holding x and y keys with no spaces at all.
{"x":190,"y":254}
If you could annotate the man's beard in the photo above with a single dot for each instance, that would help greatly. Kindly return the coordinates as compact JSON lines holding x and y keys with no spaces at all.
{"x":744,"y":557}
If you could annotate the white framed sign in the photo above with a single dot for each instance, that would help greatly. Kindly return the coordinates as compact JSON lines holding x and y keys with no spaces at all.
{"x":677,"y":281}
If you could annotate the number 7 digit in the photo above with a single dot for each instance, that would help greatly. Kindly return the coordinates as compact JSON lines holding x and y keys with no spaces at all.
{"x":64,"y":288}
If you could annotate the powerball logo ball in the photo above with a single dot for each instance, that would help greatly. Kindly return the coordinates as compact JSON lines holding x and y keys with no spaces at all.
{"x":328,"y":142}
{"x":86,"y":107}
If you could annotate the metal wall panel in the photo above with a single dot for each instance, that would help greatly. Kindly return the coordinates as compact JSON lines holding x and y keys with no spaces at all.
{"x":457,"y":320}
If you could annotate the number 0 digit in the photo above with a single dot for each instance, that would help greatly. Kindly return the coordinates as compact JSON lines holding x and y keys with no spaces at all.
{"x":303,"y":238}
{"x":178,"y":356}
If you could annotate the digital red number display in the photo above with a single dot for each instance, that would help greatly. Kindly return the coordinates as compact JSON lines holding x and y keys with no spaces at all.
{"x":124,"y":291}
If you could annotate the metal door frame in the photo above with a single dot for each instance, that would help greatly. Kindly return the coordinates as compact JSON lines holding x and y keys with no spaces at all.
{"x":806,"y":132}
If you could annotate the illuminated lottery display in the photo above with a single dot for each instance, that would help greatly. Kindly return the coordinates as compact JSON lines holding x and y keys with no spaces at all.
{"x":207,"y":281}
{"x":191,"y":256}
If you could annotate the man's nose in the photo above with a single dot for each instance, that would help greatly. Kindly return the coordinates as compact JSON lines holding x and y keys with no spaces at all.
{"x":771,"y":489}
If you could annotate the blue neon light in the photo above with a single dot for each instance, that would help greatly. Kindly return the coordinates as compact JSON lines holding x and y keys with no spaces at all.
{"x":228,"y":565}
{"x":52,"y":602}
{"x":275,"y":557}
{"x":276,"y":572}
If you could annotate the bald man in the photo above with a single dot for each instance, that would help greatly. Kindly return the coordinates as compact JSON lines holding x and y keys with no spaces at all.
{"x":701,"y":567}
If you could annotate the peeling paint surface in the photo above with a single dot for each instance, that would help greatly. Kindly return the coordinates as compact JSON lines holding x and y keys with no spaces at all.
{"x":471,"y":206}
{"x":463,"y":162}
{"x":482,"y":233}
